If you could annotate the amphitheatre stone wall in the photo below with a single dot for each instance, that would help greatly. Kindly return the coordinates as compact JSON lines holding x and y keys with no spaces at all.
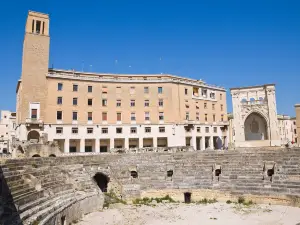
{"x":54,"y":190}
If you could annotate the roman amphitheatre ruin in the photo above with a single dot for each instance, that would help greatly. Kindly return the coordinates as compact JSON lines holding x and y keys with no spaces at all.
{"x":64,"y":189}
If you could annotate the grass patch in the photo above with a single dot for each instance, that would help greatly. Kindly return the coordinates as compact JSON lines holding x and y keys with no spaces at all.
{"x":243,"y":201}
{"x":213,"y":218}
{"x":148,"y":201}
{"x":36,"y":222}
{"x":206,"y":201}
{"x":228,"y":202}
{"x":111,"y":198}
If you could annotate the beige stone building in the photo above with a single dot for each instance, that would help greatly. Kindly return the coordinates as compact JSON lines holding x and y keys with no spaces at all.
{"x":297,"y":131}
{"x":94,"y":112}
{"x":255,"y":122}
{"x":7,"y":130}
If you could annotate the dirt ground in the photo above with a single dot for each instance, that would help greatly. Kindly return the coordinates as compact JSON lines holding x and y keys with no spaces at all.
{"x":192,"y":214}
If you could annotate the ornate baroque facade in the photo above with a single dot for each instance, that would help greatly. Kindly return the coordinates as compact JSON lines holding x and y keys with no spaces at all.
{"x":255,"y":121}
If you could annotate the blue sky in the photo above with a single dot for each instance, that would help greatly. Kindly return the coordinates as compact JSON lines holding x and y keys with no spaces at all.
{"x":227,"y":43}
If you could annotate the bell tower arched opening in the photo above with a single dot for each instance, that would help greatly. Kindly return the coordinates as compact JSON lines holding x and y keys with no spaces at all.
{"x":255,"y":127}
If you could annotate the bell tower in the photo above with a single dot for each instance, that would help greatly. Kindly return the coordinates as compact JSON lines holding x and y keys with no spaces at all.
{"x":32,"y":88}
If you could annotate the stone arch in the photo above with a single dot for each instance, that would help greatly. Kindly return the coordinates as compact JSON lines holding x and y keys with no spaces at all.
{"x":256,"y":126}
{"x":102,"y":181}
{"x":33,"y":134}
{"x":52,"y":155}
{"x":36,"y":155}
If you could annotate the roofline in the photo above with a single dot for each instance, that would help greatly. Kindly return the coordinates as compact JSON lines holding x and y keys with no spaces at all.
{"x":34,"y":13}
{"x":297,"y":105}
{"x":255,"y":86}
{"x":138,"y":75}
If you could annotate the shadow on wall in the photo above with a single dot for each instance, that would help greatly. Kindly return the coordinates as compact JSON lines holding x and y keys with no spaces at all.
{"x":8,"y":213}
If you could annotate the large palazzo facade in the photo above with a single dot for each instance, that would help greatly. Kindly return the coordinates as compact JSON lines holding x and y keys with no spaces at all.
{"x":95,"y":112}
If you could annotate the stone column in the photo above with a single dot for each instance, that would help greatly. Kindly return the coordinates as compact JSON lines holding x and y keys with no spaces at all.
{"x":154,"y":142}
{"x":211,"y":142}
{"x":97,"y":145}
{"x":67,"y":146}
{"x":126,"y":143}
{"x":202,"y":144}
{"x":82,"y":145}
{"x":194,"y":142}
{"x":112,"y":143}
{"x":140,"y":142}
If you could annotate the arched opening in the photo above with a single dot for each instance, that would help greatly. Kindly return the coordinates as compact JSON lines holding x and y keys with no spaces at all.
{"x":36,"y":155}
{"x":255,"y":127}
{"x":33,"y":135}
{"x":102,"y":181}
{"x":52,"y":155}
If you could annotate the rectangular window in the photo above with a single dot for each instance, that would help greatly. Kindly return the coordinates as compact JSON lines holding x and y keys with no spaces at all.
{"x":147,"y":116}
{"x":90,"y":102}
{"x":104,"y":102}
{"x":74,"y":130}
{"x":104,"y":90}
{"x":90,"y":89}
{"x":38,"y":27}
{"x":104,"y":130}
{"x":160,"y":90}
{"x":222,"y":117}
{"x":132,"y":103}
{"x":162,"y":129}
{"x":214,"y":118}
{"x":132,"y":117}
{"x":221,"y":107}
{"x":212,"y":95}
{"x":89,"y":130}
{"x":185,"y":91}
{"x":160,"y":102}
{"x":187,"y":116}
{"x":204,"y":93}
{"x":147,"y":129}
{"x":206,"y":129}
{"x":119,"y":116}
{"x":205,"y":117}
{"x":59,"y":86}
{"x":133,"y":130}
{"x":74,"y":116}
{"x":132,"y":90}
{"x":119,"y":130}
{"x":59,"y":115}
{"x":197,"y":116}
{"x":59,"y":130}
{"x":118,"y":103}
{"x":205,"y":105}
{"x":146,"y":103}
{"x":59,"y":100}
{"x":199,"y":129}
{"x":213,"y":106}
{"x":161,"y":116}
{"x":119,"y":90}
{"x":221,"y":96}
{"x":75,"y":101}
{"x":75,"y":87}
{"x":33,"y":113}
{"x":146,"y":90}
{"x":215,"y":130}
{"x":90,"y":116}
{"x":104,"y":116}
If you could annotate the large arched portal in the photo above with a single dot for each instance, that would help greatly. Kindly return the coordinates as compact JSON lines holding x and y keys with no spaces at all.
{"x":102,"y":181}
{"x":256,"y":127}
{"x":33,"y":135}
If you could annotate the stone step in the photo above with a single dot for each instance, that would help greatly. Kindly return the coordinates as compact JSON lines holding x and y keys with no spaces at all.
{"x":28,"y":197}
{"x":43,"y":205}
{"x":20,"y":192}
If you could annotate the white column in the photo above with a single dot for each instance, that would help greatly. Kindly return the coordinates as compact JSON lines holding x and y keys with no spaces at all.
{"x":126,"y":143}
{"x":211,"y":142}
{"x":97,"y":145}
{"x":194,"y":142}
{"x":67,"y":146}
{"x":140,"y":142}
{"x":202,"y":144}
{"x":82,"y":145}
{"x":112,"y":143}
{"x":154,"y":142}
